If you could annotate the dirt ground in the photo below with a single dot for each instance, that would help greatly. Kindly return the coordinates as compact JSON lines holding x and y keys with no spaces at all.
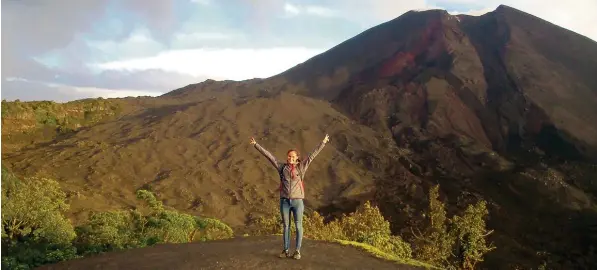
{"x":238,"y":253}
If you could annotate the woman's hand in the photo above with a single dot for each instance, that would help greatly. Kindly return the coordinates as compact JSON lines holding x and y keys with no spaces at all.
{"x":253,"y":142}
{"x":326,"y":139}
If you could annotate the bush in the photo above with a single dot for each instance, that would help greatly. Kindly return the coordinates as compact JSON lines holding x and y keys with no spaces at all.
{"x":315,"y":228}
{"x":169,"y":226}
{"x":435,"y":245}
{"x":458,"y":242}
{"x":35,"y":231}
{"x":107,"y":231}
{"x":34,"y":209}
{"x":366,"y":225}
{"x":471,"y":233}
{"x":34,"y":228}
{"x":115,"y":230}
{"x":211,"y":229}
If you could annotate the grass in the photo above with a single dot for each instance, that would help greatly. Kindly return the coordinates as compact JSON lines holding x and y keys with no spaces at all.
{"x":376,"y":252}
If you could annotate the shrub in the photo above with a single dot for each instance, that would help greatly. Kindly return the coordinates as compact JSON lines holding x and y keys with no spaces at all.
{"x":471,"y":232}
{"x":211,"y":229}
{"x":366,"y":225}
{"x":34,"y":228}
{"x":107,"y":231}
{"x":34,"y":209}
{"x":436,"y":243}
{"x":35,"y":231}
{"x":315,"y":228}
{"x":458,"y":242}
{"x":171,"y":226}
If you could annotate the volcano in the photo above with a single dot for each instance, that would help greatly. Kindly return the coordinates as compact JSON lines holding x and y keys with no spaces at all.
{"x":501,"y":106}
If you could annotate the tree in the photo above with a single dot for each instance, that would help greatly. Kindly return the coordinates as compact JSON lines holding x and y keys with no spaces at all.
{"x":435,"y":244}
{"x":471,"y":232}
{"x":458,"y":242}
{"x":34,"y":228}
{"x":34,"y":209}
{"x":367,"y":225}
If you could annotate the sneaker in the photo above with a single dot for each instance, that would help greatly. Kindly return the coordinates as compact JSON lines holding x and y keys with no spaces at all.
{"x":285,"y":254}
{"x":296,"y":255}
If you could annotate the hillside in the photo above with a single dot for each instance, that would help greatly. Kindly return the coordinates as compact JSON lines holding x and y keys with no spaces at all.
{"x":501,"y":107}
{"x":245,"y":253}
{"x":196,"y":156}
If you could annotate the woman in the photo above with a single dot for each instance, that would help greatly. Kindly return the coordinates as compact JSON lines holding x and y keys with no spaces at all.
{"x":292,"y":191}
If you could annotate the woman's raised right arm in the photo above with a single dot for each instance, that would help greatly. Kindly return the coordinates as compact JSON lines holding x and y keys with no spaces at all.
{"x":266,"y":153}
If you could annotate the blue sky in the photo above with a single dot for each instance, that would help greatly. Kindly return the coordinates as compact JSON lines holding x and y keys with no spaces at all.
{"x":71,"y":49}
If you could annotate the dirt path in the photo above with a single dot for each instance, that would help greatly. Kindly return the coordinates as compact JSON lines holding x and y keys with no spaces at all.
{"x":238,"y":253}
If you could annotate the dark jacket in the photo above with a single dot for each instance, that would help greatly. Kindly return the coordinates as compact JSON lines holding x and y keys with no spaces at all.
{"x":291,"y":187}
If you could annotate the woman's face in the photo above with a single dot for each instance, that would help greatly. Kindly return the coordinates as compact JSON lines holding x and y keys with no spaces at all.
{"x":292,"y":157}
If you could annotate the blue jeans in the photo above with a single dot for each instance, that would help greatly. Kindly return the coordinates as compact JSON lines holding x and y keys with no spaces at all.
{"x":297,"y":207}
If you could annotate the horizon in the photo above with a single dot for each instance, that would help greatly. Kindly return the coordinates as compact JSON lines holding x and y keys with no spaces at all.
{"x":111,"y":49}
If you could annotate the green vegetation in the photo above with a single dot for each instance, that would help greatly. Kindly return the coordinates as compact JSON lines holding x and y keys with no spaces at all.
{"x":23,"y":117}
{"x":456,"y":243}
{"x":36,"y":232}
{"x":384,"y":255}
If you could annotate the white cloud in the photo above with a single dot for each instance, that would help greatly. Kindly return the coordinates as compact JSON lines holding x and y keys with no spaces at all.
{"x":138,"y":44}
{"x":220,"y":64}
{"x":185,"y":37}
{"x":320,"y":11}
{"x":472,"y":12}
{"x":383,"y":10}
{"x":36,"y":90}
{"x":291,"y":9}
{"x":201,"y":39}
{"x":202,"y":2}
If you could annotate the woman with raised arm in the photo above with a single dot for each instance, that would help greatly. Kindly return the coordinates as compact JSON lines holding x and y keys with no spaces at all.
{"x":292,"y":191}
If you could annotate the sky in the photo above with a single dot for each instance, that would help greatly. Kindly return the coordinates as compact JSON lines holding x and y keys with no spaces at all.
{"x":72,"y":49}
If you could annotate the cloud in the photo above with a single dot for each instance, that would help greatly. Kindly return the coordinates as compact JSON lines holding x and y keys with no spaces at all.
{"x":374,"y":12}
{"x":202,"y":2}
{"x":472,"y":12}
{"x":293,"y":10}
{"x":138,"y":44}
{"x":146,"y":79}
{"x":204,"y":39}
{"x":12,"y":89}
{"x":320,"y":11}
{"x":219,"y":64}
